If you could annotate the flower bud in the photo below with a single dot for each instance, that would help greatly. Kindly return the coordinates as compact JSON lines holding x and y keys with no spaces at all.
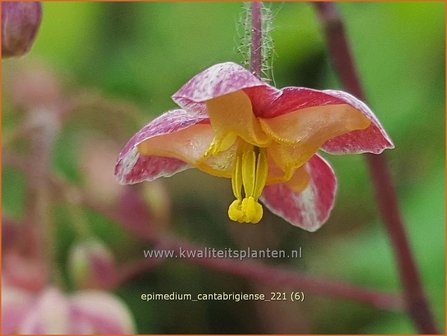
{"x":91,"y":265}
{"x":20,"y":23}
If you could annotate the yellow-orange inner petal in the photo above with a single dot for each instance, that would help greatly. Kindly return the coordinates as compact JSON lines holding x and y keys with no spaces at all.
{"x":275,"y":173}
{"x":233,"y":114}
{"x":189,"y":145}
{"x":288,"y":158}
{"x":314,"y":125}
{"x":299,"y":181}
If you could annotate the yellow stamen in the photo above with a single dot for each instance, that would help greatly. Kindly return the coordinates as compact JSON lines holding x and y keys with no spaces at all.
{"x":250,"y":173}
{"x":262,"y":170}
{"x":236,"y":180}
{"x":220,"y":144}
{"x":235,"y":212}
{"x":252,"y":210}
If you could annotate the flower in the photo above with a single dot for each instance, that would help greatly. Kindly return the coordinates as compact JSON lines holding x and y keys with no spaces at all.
{"x":236,"y":126}
{"x":20,"y":23}
{"x":53,"y":312}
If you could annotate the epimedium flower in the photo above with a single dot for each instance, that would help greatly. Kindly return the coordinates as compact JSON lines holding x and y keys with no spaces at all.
{"x":233,"y":125}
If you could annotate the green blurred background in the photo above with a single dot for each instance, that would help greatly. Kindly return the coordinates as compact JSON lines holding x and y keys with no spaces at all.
{"x":135,"y":55}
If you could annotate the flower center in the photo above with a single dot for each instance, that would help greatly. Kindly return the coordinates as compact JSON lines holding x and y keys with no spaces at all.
{"x":250,"y":174}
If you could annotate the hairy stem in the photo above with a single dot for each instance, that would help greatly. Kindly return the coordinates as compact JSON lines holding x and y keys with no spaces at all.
{"x":415,"y":299}
{"x":256,"y":38}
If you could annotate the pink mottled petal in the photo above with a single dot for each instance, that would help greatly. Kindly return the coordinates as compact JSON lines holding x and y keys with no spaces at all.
{"x":105,"y":313}
{"x":310,"y":208}
{"x":373,"y":139}
{"x":132,"y":167}
{"x":217,"y":80}
{"x":49,"y":315}
{"x":136,"y":168}
{"x":295,"y":98}
{"x":15,"y":305}
{"x":261,"y":97}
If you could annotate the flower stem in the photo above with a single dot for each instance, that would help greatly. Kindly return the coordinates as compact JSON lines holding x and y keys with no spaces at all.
{"x":256,"y":38}
{"x":416,"y":301}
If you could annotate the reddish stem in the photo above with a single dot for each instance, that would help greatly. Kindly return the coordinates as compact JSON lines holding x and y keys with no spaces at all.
{"x":256,"y":38}
{"x":416,"y":301}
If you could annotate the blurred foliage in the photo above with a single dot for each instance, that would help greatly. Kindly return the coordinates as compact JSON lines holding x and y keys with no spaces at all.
{"x":135,"y":55}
